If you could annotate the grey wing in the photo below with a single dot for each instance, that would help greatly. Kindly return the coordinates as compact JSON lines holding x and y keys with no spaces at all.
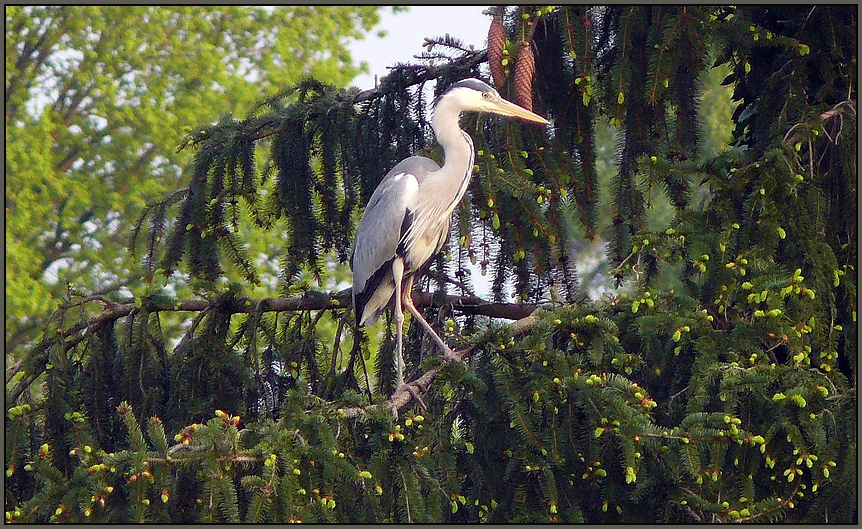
{"x":385,"y":220}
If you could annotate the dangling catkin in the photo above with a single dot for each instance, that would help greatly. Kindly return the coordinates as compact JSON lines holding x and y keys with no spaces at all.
{"x":525,"y":67}
{"x":496,"y":43}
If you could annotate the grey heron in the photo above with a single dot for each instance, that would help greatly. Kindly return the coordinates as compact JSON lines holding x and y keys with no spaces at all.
{"x":407,"y":218}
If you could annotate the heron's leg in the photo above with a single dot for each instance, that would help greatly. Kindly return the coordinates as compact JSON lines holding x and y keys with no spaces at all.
{"x":398,"y":275}
{"x":447,"y":353}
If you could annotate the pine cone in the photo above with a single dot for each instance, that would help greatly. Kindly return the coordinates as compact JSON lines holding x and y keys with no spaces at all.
{"x":496,"y":43}
{"x":525,"y":67}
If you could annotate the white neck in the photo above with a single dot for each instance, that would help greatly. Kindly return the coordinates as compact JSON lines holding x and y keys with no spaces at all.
{"x":457,"y":147}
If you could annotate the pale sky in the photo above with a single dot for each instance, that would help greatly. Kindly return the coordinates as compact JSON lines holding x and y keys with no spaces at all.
{"x":407,"y":31}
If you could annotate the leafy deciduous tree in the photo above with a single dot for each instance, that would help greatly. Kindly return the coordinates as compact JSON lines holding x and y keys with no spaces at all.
{"x":96,"y":100}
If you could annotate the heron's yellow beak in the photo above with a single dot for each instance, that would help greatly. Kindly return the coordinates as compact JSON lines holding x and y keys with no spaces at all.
{"x":505,"y":108}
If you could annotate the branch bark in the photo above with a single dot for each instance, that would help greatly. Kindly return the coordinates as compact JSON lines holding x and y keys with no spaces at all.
{"x":259,"y":130}
{"x":312,"y":300}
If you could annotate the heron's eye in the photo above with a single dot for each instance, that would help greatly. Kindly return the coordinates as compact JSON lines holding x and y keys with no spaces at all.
{"x":486,"y":95}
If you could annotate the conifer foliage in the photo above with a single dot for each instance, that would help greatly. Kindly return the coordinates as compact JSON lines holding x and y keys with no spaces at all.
{"x":717,"y":384}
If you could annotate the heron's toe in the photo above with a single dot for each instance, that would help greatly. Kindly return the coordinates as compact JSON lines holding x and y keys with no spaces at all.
{"x":450,"y":356}
{"x":413,"y":393}
{"x":456,"y":356}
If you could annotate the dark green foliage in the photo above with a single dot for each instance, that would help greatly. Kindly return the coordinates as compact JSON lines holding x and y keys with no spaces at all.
{"x":565,"y":81}
{"x":719,"y":385}
{"x":650,"y":77}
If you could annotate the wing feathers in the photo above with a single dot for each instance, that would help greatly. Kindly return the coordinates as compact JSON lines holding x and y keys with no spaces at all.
{"x":388,"y":230}
{"x":377,"y":242}
{"x":401,"y":251}
{"x":373,"y":286}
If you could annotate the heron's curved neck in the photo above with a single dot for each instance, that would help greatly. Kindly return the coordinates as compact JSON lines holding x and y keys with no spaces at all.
{"x":457,"y":145}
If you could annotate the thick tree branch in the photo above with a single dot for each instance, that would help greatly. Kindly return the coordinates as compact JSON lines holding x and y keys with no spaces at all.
{"x":312,"y":300}
{"x":260,"y":129}
{"x":21,"y":335}
{"x":427,"y":73}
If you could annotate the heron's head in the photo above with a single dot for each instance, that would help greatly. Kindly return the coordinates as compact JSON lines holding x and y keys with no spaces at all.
{"x":475,"y":95}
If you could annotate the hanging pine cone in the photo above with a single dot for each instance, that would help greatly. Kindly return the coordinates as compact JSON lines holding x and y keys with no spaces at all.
{"x":525,"y":67}
{"x":496,"y":43}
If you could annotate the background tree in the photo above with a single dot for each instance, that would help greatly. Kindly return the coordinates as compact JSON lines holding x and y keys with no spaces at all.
{"x":96,"y":99}
{"x":719,"y":385}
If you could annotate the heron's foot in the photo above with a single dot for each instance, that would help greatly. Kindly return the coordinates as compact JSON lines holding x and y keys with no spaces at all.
{"x":450,"y":356}
{"x":413,"y":393}
{"x":456,"y":356}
